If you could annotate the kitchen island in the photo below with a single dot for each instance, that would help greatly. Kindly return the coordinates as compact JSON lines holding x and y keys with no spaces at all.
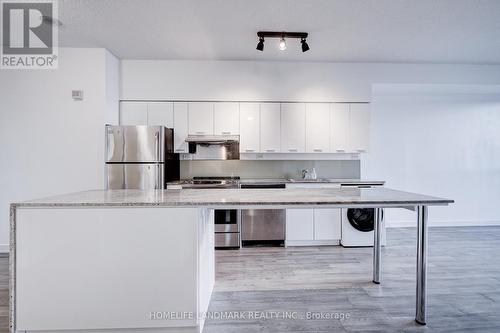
{"x":106,"y":261}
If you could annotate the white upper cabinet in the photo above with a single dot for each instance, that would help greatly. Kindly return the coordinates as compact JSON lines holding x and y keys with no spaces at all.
{"x":317,"y":127}
{"x":270,"y":128}
{"x":359,"y":127}
{"x":147,"y":113}
{"x":226,"y":118}
{"x":161,"y":113}
{"x":201,"y":118}
{"x":249,"y":127}
{"x":180,"y":127}
{"x":133,"y":113}
{"x":339,"y":128}
{"x":293,"y":129}
{"x":263,"y":127}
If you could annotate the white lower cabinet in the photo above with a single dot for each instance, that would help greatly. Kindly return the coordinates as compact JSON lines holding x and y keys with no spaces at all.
{"x":313,"y":226}
{"x":327,"y":224}
{"x":307,"y":227}
{"x":299,"y":224}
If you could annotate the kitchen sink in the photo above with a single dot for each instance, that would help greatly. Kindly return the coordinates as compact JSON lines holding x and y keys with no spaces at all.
{"x":301,"y":180}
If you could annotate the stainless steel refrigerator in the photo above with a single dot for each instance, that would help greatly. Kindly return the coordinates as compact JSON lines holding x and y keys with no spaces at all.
{"x":140,"y":157}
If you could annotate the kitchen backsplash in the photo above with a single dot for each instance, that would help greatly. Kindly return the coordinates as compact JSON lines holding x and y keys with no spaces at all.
{"x":270,"y":169}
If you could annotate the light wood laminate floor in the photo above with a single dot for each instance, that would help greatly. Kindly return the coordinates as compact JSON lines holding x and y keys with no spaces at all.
{"x":463,"y":286}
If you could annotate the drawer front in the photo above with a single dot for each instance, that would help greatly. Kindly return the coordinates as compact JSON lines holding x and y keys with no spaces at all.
{"x":227,"y":240}
{"x":230,"y":227}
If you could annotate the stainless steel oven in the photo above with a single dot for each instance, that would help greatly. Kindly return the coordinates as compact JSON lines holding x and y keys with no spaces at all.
{"x":227,"y":221}
{"x":263,"y":226}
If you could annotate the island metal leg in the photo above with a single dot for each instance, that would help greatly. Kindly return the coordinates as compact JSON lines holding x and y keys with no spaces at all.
{"x":376,"y":245}
{"x":420,"y":315}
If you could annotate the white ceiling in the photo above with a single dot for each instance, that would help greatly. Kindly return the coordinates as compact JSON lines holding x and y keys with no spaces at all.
{"x":430,"y":31}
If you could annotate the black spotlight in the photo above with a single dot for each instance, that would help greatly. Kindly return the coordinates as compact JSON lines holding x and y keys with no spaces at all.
{"x":260,"y":45}
{"x":305,"y":47}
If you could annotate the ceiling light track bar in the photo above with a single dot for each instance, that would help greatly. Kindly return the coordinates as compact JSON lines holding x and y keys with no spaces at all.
{"x":281,"y":34}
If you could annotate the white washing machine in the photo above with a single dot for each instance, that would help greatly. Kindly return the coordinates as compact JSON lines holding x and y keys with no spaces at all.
{"x":357,"y":227}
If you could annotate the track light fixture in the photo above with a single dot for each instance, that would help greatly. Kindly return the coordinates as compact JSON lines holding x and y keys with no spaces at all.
{"x":305,"y":47}
{"x":282,"y":35}
{"x":260,"y":44}
{"x":282,"y":44}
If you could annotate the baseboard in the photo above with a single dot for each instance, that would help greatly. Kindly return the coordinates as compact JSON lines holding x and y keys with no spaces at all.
{"x":442,"y":223}
{"x":4,"y":248}
{"x":311,"y":242}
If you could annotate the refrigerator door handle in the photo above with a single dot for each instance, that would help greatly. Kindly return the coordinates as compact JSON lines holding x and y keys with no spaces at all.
{"x":159,"y":178}
{"x":157,"y":146}
{"x":110,"y":143}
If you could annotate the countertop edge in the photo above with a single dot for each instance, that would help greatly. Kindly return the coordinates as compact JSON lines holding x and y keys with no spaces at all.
{"x":443,"y":202}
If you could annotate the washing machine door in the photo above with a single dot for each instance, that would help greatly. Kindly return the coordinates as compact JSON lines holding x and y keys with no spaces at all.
{"x":361,"y":219}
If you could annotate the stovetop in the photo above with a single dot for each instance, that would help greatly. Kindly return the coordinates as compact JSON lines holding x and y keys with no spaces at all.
{"x":214,"y":180}
{"x":211,"y":182}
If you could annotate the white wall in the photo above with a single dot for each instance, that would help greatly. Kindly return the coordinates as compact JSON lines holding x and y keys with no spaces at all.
{"x":112,"y":86}
{"x":442,"y":140}
{"x":49,"y":143}
{"x":285,"y":81}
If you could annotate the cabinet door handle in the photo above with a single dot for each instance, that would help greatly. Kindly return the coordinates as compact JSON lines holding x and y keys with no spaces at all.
{"x":200,"y":132}
{"x":226,"y":133}
{"x":249,"y":150}
{"x":292,"y":149}
{"x":341,"y":150}
{"x":361,"y":150}
{"x":180,"y":149}
{"x":110,"y":142}
{"x":318,"y":149}
{"x":270,"y":150}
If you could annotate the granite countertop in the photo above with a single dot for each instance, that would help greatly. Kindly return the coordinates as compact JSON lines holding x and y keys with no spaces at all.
{"x":350,"y":181}
{"x":344,"y":197}
{"x":343,"y":181}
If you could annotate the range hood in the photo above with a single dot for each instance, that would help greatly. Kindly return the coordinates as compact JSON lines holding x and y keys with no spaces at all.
{"x":213,"y":147}
{"x":213,"y":139}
